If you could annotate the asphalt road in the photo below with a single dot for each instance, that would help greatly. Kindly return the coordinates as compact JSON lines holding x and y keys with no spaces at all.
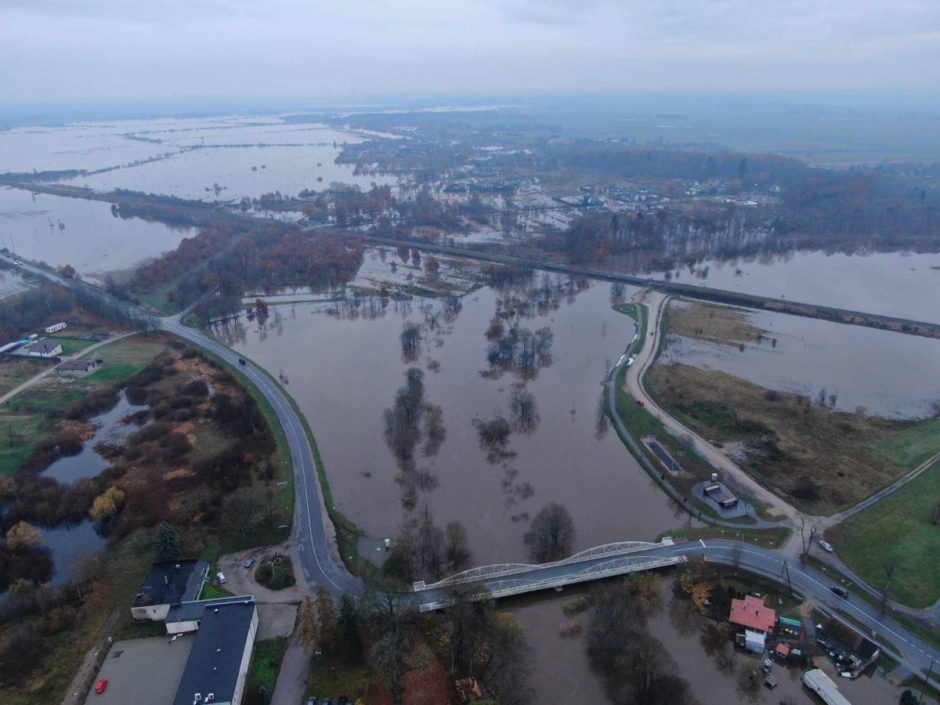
{"x":893,"y":638}
{"x":316,"y":549}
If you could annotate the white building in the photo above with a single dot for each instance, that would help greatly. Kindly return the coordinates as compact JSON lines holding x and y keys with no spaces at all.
{"x":56,"y":327}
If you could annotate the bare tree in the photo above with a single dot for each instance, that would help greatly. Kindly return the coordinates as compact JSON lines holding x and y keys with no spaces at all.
{"x":551,"y":534}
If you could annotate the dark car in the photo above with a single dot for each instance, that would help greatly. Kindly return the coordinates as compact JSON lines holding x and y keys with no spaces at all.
{"x":840,"y":591}
{"x":242,"y":361}
{"x":247,"y":564}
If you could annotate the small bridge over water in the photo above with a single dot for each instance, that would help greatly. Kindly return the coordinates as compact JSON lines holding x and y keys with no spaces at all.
{"x":505,"y":579}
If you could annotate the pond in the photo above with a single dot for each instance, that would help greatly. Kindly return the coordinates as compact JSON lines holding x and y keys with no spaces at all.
{"x":344,"y":365}
{"x":69,"y":545}
{"x":110,"y":428}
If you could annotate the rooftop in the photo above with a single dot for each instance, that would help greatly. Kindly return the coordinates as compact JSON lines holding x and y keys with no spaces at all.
{"x":752,"y":614}
{"x":193,"y":610}
{"x":142,"y":671}
{"x":170,"y":582}
{"x":216,"y":654}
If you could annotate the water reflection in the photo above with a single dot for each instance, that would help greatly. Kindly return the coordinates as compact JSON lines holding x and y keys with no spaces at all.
{"x":344,"y":362}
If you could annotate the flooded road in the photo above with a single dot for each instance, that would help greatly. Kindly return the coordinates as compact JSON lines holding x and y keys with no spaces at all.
{"x":889,"y":374}
{"x":345,"y":370}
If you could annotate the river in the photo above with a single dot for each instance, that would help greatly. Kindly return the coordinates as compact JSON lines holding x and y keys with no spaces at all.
{"x":344,"y":369}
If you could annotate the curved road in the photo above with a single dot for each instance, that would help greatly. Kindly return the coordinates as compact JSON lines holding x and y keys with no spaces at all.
{"x":316,"y":547}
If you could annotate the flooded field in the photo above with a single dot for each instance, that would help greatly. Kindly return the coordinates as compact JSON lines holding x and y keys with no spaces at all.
{"x":345,"y":365}
{"x":81,"y":233}
{"x":892,"y":284}
{"x":891,"y":375}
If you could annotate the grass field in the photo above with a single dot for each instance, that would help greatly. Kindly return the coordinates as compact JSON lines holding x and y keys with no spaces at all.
{"x":16,"y":370}
{"x":897,"y":529}
{"x":70,"y":346}
{"x":266,"y":664}
{"x":912,"y":446}
{"x":818,"y":458}
{"x":25,"y":419}
{"x":716,"y":324}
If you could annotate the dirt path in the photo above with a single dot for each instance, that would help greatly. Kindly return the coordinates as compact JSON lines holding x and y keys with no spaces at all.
{"x":45,"y":373}
{"x":81,"y":681}
{"x":241,"y":581}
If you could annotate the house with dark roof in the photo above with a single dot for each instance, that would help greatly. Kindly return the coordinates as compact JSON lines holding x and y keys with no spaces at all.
{"x":186,"y":617}
{"x":169,"y":583}
{"x":218,"y":662}
{"x":76,"y":368}
{"x":44,"y":348}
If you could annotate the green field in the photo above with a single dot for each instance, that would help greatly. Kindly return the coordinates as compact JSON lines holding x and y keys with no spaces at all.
{"x":70,"y":346}
{"x":913,"y":445}
{"x":898,"y":528}
{"x":266,"y":664}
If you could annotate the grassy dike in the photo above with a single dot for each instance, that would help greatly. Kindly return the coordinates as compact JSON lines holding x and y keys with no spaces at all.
{"x":640,"y":422}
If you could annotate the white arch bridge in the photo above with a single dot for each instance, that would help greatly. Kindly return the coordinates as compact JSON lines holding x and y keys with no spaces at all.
{"x":505,"y":579}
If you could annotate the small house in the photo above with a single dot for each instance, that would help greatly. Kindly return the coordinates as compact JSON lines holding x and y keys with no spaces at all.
{"x":169,"y":583}
{"x":756,"y":619}
{"x":76,"y":368}
{"x":44,"y":348}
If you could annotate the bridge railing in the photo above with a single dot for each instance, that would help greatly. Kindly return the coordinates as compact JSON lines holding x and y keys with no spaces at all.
{"x":477,"y":574}
{"x":597,"y":571}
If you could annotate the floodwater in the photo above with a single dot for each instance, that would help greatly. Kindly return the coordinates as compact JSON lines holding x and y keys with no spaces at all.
{"x":891,"y":284}
{"x":344,"y":370}
{"x":78,"y":232}
{"x":237,"y":172}
{"x":70,"y":544}
{"x":110,"y":429}
{"x":890,"y":374}
{"x":561,"y":672}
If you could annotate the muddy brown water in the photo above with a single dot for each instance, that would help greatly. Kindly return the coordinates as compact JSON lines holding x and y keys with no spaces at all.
{"x":344,"y":372}
{"x":561,"y":672}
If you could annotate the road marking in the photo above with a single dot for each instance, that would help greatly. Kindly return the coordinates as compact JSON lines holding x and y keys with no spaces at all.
{"x":702,"y":542}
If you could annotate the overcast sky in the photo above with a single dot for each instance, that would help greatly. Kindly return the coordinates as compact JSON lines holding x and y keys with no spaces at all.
{"x":106,"y":50}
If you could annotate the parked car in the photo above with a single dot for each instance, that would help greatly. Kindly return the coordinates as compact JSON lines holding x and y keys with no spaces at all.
{"x":840,"y":591}
{"x":101,"y":685}
{"x":241,"y":361}
{"x":639,"y":402}
{"x":248,"y":562}
{"x":312,"y":700}
{"x":826,"y":546}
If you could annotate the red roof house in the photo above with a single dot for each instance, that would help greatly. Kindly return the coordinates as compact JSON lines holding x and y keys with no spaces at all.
{"x":751,"y":613}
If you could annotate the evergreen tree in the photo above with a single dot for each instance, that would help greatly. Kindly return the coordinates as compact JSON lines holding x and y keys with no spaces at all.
{"x":168,"y":543}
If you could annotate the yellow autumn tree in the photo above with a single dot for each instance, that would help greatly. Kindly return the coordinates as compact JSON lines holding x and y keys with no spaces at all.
{"x":22,"y":535}
{"x":107,"y":503}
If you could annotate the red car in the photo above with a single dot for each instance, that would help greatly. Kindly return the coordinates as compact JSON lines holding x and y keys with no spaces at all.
{"x":101,"y":685}
{"x":639,"y":402}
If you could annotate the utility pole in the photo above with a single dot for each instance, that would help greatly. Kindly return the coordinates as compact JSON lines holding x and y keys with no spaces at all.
{"x":926,"y":682}
{"x":786,"y":573}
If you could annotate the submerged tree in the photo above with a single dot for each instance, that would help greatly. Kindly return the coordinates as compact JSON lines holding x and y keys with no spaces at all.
{"x":551,"y":534}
